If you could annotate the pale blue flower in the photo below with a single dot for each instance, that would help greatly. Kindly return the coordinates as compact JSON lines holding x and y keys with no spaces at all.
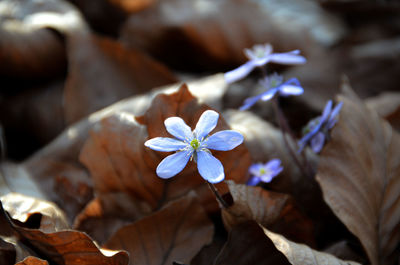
{"x":316,"y":131}
{"x":194,"y":145}
{"x":274,"y":85}
{"x":264,"y":172}
{"x":259,"y":56}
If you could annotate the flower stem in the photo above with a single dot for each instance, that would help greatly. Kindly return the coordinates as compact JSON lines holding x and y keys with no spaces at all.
{"x":285,"y":129}
{"x":221,"y":200}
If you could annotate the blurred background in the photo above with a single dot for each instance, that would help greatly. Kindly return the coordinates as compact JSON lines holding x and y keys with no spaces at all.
{"x":62,"y":60}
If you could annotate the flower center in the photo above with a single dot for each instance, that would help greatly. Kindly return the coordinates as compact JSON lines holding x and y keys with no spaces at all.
{"x":262,"y":171}
{"x":195,"y":144}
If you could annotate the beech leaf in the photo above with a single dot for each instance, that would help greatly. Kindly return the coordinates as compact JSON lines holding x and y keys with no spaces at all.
{"x":21,"y":208}
{"x":274,"y":210}
{"x":65,"y":247}
{"x":359,"y":174}
{"x":32,"y":261}
{"x":251,"y":243}
{"x":177,"y":232}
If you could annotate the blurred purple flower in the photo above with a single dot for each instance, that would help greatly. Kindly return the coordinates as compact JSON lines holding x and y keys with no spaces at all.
{"x":259,"y":56}
{"x":275,"y":85}
{"x":264,"y":172}
{"x":316,"y":131}
{"x":194,"y":145}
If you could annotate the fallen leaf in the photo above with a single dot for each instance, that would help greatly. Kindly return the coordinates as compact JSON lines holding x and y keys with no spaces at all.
{"x":247,"y":244}
{"x":130,"y":189}
{"x":64,"y":247}
{"x":251,"y":243}
{"x":177,"y":232}
{"x":21,"y":208}
{"x":299,"y":254}
{"x":32,"y":261}
{"x":28,"y":48}
{"x":7,"y":252}
{"x":276,"y":211}
{"x":359,"y":174}
{"x":387,"y":105}
{"x":102,"y":71}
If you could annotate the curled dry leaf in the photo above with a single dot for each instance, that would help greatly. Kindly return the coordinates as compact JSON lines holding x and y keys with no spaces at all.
{"x":177,"y":232}
{"x":251,"y":243}
{"x":387,"y":105}
{"x":21,"y":208}
{"x":102,"y":71}
{"x":28,"y":47}
{"x":247,"y":244}
{"x":206,"y":34}
{"x":7,"y":252}
{"x":277,"y":211}
{"x":359,"y":174}
{"x":124,"y":170}
{"x":64,"y":247}
{"x":32,"y":261}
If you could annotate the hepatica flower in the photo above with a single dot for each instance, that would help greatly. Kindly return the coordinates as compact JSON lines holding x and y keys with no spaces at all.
{"x":194,"y":145}
{"x":317,"y":130}
{"x":264,"y":172}
{"x":259,"y":56}
{"x":274,"y":85}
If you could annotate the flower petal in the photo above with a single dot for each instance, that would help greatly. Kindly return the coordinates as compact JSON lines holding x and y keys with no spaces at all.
{"x":209,"y":167}
{"x":253,"y":181}
{"x":165,"y":144}
{"x":254,"y":169}
{"x":207,"y":122}
{"x":317,"y":142}
{"x":333,"y":117}
{"x":239,"y":73}
{"x":178,"y":128}
{"x":249,"y":102}
{"x":273,"y":164}
{"x":267,"y":95}
{"x":224,"y":140}
{"x":287,"y":90}
{"x":287,"y":58}
{"x":326,"y":112}
{"x":173,"y":164}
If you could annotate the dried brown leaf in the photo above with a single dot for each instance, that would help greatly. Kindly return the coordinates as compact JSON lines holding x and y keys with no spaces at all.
{"x":32,"y":261}
{"x":175,"y":233}
{"x":276,"y":211}
{"x":28,"y":47}
{"x":247,"y":244}
{"x":251,"y":243}
{"x":359,"y":174}
{"x":299,"y":254}
{"x":64,"y":247}
{"x":21,"y":208}
{"x":7,"y":252}
{"x":102,"y":71}
{"x":387,"y":105}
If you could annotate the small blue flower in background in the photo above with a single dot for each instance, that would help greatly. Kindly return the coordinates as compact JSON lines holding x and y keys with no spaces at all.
{"x":194,"y":145}
{"x":264,"y":172}
{"x":274,"y":85}
{"x":259,"y":56}
{"x":316,"y":131}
